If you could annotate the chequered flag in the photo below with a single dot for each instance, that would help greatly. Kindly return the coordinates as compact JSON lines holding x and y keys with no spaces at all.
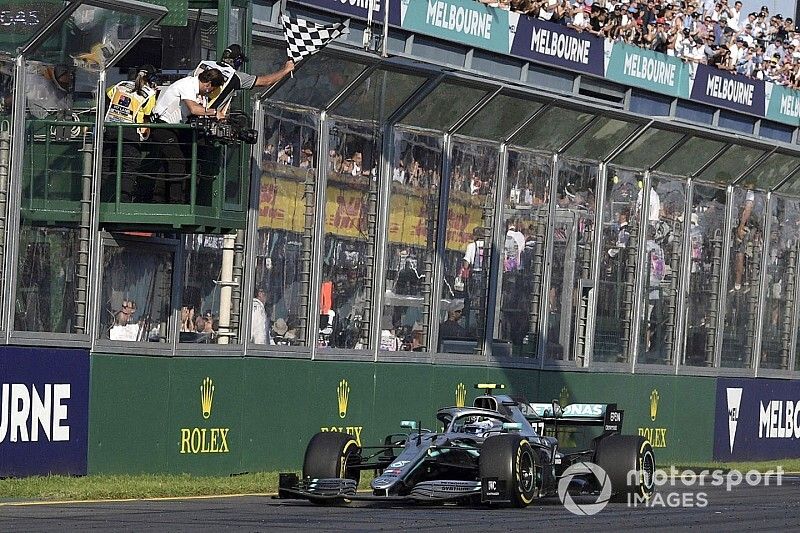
{"x":304,"y":38}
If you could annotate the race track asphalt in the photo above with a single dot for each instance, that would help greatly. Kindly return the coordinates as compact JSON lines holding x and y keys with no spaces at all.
{"x":752,"y":508}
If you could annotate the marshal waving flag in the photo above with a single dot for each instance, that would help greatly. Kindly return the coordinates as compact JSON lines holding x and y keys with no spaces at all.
{"x":304,"y":38}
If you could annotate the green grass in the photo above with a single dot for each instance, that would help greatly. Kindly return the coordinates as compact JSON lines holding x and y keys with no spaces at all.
{"x":788,"y":465}
{"x":114,"y":487}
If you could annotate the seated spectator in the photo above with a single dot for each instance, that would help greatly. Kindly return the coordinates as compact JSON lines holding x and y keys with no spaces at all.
{"x":450,"y":328}
{"x":122,"y":330}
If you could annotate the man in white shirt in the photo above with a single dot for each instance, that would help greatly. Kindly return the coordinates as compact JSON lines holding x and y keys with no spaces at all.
{"x":185,"y":98}
{"x":258,"y":327}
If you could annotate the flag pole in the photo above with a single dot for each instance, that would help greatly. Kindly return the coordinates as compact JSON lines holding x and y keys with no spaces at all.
{"x":385,"y":43}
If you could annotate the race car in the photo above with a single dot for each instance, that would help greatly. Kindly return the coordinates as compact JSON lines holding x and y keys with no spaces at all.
{"x":500,"y":450}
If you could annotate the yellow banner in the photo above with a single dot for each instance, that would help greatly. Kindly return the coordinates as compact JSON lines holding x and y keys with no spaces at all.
{"x":281,"y":206}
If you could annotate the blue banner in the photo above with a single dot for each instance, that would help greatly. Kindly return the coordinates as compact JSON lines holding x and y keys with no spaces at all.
{"x":757,"y":419}
{"x":721,"y":89}
{"x":554,"y":44}
{"x":44,"y":411}
{"x":355,"y":8}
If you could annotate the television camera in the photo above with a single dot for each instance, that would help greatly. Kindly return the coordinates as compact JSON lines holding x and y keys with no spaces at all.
{"x":232,"y":129}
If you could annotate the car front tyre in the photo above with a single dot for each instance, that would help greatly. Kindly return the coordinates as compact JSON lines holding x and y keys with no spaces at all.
{"x":512,"y":461}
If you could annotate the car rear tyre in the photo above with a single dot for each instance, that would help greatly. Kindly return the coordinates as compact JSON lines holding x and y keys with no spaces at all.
{"x":630,"y":464}
{"x":512,"y":461}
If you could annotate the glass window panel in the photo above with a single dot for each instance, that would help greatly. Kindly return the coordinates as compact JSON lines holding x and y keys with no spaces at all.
{"x":735,"y":121}
{"x":266,"y":58}
{"x":792,"y":185}
{"x":22,"y":19}
{"x":466,"y":255}
{"x":501,"y":116}
{"x":377,"y":97}
{"x":776,"y":131}
{"x":6,"y":88}
{"x":744,"y":278}
{"x":203,"y":295}
{"x":526,"y":205}
{"x":619,"y":247}
{"x":444,"y":106}
{"x":707,"y":225}
{"x":662,"y":270}
{"x":411,"y":248}
{"x":287,"y":175}
{"x":772,"y":171}
{"x":690,"y":157}
{"x":136,"y":292}
{"x":780,"y":306}
{"x":46,"y":279}
{"x":322,"y":78}
{"x":552,"y":130}
{"x":55,"y":140}
{"x":90,"y":38}
{"x":694,"y":112}
{"x":649,"y":104}
{"x":648,"y":148}
{"x":572,"y":255}
{"x":731,"y":164}
{"x":602,"y":138}
{"x":350,"y":207}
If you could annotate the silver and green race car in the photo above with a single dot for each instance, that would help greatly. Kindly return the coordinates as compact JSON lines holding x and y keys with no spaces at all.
{"x":500,"y":450}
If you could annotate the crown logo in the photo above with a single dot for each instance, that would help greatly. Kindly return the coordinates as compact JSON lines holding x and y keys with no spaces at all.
{"x":563,"y":397}
{"x":207,"y":396}
{"x":343,"y":394}
{"x":461,"y":395}
{"x":654,"y":397}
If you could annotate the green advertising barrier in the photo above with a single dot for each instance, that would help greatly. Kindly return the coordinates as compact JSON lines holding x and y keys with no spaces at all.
{"x":128,"y":415}
{"x":675,"y":413}
{"x":227,"y":415}
{"x":784,"y":104}
{"x":207,"y":416}
{"x":654,"y":71}
{"x":462,"y":21}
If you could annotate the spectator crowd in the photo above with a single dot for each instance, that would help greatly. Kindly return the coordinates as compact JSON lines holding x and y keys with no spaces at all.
{"x":755,"y":44}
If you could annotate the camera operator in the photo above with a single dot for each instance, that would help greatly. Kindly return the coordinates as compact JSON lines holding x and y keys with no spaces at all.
{"x":129,"y":102}
{"x":183,"y":99}
{"x":229,"y":64}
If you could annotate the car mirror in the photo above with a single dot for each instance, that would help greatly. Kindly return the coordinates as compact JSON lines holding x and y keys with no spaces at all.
{"x":408,"y":424}
{"x":512,"y":426}
{"x":556,"y":409}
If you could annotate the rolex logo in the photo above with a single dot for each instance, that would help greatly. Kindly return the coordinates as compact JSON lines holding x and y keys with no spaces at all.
{"x":207,"y":396}
{"x":461,"y":395}
{"x":654,"y":397}
{"x":563,"y":397}
{"x":343,"y":394}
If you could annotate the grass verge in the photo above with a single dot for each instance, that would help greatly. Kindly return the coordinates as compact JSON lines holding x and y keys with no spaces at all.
{"x":116,"y":487}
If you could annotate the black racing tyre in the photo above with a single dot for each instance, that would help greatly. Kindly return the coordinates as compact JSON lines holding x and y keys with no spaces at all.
{"x":630,"y":464}
{"x":332,"y":455}
{"x":512,"y":461}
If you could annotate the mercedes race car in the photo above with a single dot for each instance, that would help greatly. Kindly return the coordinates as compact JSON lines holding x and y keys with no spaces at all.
{"x":499,"y":451}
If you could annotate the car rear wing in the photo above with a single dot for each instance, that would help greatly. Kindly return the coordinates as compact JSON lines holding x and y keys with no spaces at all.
{"x":578,"y":414}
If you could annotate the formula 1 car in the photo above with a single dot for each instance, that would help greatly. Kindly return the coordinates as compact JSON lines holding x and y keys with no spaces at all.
{"x":499,"y":451}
